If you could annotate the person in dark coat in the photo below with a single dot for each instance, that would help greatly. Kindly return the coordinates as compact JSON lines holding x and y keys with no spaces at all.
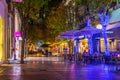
{"x":46,"y":53}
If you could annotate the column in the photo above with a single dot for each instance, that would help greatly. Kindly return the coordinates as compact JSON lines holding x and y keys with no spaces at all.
{"x":77,"y":46}
{"x":77,"y":50}
{"x":98,"y":45}
{"x":105,"y":41}
{"x":90,"y":44}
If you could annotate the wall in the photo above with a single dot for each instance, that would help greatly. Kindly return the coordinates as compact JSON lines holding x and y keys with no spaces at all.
{"x":3,"y":25}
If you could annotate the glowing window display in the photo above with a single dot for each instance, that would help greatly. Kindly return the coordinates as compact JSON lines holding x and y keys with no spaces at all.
{"x":1,"y":38}
{"x":112,"y":45}
{"x":83,"y":45}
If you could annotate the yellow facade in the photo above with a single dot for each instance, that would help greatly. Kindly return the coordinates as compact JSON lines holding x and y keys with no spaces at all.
{"x":1,"y":38}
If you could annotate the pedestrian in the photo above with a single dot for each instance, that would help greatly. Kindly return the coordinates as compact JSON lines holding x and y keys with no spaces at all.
{"x":46,"y":53}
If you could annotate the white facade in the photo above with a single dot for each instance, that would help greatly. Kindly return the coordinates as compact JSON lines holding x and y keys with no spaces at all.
{"x":18,"y":41}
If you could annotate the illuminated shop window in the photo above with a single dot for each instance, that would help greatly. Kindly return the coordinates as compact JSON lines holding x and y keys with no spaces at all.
{"x":112,"y":45}
{"x":1,"y":38}
{"x":83,"y":45}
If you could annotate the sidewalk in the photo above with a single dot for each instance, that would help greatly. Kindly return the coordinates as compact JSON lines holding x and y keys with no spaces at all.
{"x":37,"y":59}
{"x":44,"y":59}
{"x":11,"y":61}
{"x":50,"y":70}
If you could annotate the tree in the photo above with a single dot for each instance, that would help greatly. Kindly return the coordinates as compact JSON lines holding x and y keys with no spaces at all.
{"x":50,"y":20}
{"x":34,"y":15}
{"x":34,"y":33}
{"x":88,"y":7}
{"x":29,"y":9}
{"x":56,"y":22}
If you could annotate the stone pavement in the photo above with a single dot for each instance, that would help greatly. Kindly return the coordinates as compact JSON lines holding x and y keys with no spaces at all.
{"x":56,"y":70}
{"x":44,"y":59}
{"x":37,"y":59}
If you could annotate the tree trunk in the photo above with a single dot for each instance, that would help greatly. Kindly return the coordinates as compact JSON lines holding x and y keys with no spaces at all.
{"x":22,"y":53}
{"x":24,"y":35}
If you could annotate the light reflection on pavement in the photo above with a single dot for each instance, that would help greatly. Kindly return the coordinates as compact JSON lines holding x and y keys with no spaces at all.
{"x":54,"y":70}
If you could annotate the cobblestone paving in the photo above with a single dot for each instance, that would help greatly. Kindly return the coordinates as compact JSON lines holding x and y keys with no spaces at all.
{"x":44,"y":70}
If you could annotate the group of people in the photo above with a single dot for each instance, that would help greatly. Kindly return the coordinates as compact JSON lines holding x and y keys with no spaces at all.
{"x":95,"y":58}
{"x":85,"y":58}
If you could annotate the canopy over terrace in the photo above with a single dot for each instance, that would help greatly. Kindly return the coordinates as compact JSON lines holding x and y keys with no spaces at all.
{"x":68,"y":34}
{"x":88,"y":31}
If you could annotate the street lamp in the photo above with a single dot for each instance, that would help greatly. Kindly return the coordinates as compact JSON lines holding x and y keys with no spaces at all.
{"x":99,"y":26}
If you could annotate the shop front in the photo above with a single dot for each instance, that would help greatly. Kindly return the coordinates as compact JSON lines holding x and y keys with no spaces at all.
{"x":83,"y":46}
{"x":114,"y":26}
{"x":17,"y":35}
{"x":1,"y":39}
{"x":112,"y":45}
{"x":3,"y":36}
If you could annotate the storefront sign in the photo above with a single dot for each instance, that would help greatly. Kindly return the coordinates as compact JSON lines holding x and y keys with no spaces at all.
{"x":17,"y":34}
{"x":17,"y":0}
{"x":81,"y":37}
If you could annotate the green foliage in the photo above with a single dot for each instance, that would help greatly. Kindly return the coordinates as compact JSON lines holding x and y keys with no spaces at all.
{"x":32,"y":7}
{"x":50,"y":16}
{"x":94,"y":5}
{"x":34,"y":33}
{"x":30,"y":10}
{"x":56,"y":21}
{"x":41,"y":12}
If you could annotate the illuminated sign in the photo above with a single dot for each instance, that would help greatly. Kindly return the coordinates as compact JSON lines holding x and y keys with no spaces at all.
{"x":17,"y":34}
{"x":81,"y":37}
{"x":109,"y":32}
{"x":17,"y":0}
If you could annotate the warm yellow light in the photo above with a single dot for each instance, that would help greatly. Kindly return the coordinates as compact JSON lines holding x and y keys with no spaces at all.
{"x":102,"y":47}
{"x":1,"y":38}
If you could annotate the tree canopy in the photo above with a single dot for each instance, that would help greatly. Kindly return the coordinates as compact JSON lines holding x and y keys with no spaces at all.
{"x":46,"y":19}
{"x":34,"y":15}
{"x":56,"y":21}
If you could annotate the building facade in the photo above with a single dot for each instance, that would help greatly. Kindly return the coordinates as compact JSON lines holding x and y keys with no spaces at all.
{"x":3,"y":30}
{"x":17,"y":35}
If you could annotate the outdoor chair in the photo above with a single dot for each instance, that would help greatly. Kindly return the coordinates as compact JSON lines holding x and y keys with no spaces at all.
{"x":112,"y":64}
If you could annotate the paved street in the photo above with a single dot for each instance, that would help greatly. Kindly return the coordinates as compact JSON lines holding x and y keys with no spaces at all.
{"x":56,"y":70}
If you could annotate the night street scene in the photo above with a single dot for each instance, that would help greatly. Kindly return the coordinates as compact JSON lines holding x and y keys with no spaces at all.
{"x":59,"y":39}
